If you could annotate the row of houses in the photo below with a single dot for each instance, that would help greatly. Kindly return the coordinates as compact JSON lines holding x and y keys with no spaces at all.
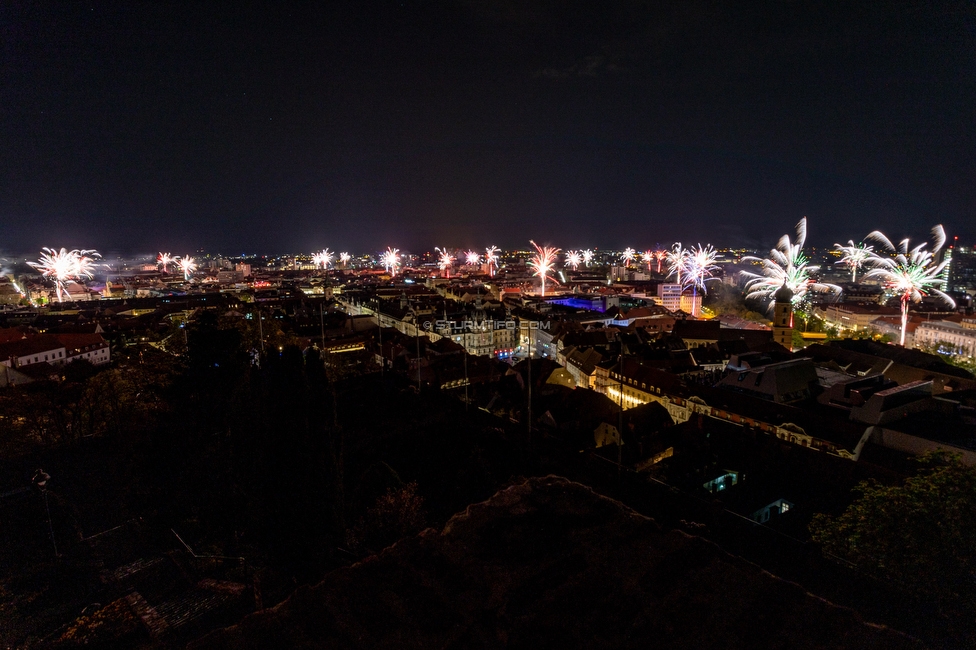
{"x":26,"y":356}
{"x":806,"y":403}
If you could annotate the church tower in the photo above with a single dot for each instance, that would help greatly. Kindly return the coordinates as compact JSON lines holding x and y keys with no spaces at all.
{"x":783,"y":317}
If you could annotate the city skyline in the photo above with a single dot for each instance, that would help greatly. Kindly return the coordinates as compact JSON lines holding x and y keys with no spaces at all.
{"x":376,"y":252}
{"x":291,"y":128}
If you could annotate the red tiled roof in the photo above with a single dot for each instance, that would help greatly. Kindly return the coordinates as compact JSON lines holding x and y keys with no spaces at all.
{"x":77,"y":342}
{"x":38,"y":344}
{"x":11,"y":334}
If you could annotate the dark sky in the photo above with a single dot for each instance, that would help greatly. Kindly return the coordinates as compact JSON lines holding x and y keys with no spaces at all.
{"x":137,"y":126}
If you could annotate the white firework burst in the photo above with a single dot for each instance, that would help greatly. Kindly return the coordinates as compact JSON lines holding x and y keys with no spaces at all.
{"x":628,"y":256}
{"x":787,"y":264}
{"x":65,"y":267}
{"x":444,"y":260}
{"x":700,"y":265}
{"x":677,"y":259}
{"x":391,"y":260}
{"x":491,"y":259}
{"x":542,"y":264}
{"x":854,"y":256}
{"x":187,"y":264}
{"x":573,"y":259}
{"x":84,"y":264}
{"x":323,"y":258}
{"x":910,"y":273}
{"x":164,"y":260}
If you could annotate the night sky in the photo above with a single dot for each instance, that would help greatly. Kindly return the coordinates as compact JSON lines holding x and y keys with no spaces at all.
{"x":144,"y":126}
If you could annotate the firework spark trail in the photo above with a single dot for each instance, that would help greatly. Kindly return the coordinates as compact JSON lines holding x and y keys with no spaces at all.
{"x":587,"y":257}
{"x":56,"y":265}
{"x":911,"y":273}
{"x":677,"y":259}
{"x":854,"y":256}
{"x":164,"y":260}
{"x":65,"y":267}
{"x":660,"y":256}
{"x":573,"y":259}
{"x":700,"y":265}
{"x":628,"y":256}
{"x":323,"y":258}
{"x":471,"y":258}
{"x":84,"y":264}
{"x":491,"y":259}
{"x":444,"y":260}
{"x":187,"y":264}
{"x":391,"y":260}
{"x":648,"y":258}
{"x":787,"y":264}
{"x":542,"y":263}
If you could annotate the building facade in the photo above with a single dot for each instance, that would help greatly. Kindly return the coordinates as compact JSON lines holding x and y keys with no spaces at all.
{"x":948,"y":337}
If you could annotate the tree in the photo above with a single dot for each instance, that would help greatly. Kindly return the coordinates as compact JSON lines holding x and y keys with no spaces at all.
{"x":725,"y":299}
{"x":798,"y":341}
{"x":959,"y":360}
{"x":397,"y":514}
{"x":921,"y":534}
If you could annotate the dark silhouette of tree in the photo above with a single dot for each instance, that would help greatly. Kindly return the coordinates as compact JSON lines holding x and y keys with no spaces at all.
{"x":396,"y":514}
{"x":921,"y":534}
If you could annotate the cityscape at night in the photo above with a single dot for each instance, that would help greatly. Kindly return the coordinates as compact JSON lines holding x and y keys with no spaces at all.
{"x":487,"y":324}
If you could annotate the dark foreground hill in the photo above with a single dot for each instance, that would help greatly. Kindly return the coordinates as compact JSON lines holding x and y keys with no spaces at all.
{"x":545,"y":564}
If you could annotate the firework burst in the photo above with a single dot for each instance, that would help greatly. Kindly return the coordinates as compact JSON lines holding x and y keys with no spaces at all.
{"x":677,"y":259}
{"x":391,"y":260}
{"x":444,"y":260}
{"x":57,"y":266}
{"x":164,"y":260}
{"x":471,"y":258}
{"x":491,"y":259}
{"x":660,"y":256}
{"x":854,"y":256}
{"x":628,"y":256}
{"x":647,"y":257}
{"x":344,"y":258}
{"x":910,"y":273}
{"x":787,"y":264}
{"x":700,"y":265}
{"x":543,"y":263}
{"x":84,"y":264}
{"x":187,"y":264}
{"x":323,"y":258}
{"x":65,"y":267}
{"x":587,"y":256}
{"x":573,"y":259}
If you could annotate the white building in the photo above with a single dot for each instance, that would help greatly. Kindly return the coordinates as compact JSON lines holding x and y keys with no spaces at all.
{"x":946,"y":336}
{"x":43,"y":348}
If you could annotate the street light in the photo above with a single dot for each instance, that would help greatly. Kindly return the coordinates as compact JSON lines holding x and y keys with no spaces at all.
{"x":40,"y":480}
